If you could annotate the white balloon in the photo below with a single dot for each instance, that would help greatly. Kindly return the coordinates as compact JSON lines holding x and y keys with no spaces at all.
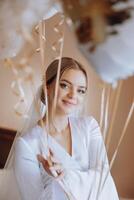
{"x":19,"y":15}
{"x":114,"y":59}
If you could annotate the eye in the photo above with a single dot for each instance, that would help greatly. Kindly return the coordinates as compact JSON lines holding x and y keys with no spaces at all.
{"x":64,"y":86}
{"x":81,"y":91}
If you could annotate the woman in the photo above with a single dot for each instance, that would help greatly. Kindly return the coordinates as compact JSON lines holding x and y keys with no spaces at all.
{"x":72,"y":163}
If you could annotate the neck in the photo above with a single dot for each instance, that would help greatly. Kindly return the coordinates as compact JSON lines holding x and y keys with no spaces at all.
{"x":57,"y":121}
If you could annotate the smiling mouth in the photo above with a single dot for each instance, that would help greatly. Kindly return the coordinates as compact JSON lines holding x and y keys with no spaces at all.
{"x":70,"y":103}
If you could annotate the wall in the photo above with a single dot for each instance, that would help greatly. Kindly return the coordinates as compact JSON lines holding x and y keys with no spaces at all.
{"x":123,"y":168}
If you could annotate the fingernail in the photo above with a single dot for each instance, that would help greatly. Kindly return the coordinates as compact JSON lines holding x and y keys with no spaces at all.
{"x":39,"y":158}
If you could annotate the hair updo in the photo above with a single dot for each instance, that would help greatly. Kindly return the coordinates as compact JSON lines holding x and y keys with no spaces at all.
{"x":66,"y":63}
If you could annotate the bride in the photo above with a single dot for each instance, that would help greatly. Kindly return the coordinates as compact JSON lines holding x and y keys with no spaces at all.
{"x":65,"y":158}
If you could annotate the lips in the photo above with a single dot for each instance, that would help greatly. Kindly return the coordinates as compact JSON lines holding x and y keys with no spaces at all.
{"x":73,"y":103}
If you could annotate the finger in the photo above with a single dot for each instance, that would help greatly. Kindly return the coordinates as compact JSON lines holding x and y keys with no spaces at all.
{"x":60,"y":176}
{"x":58,"y":171}
{"x":46,"y":166}
{"x":54,"y":159}
{"x":49,"y":161}
{"x":49,"y":172}
{"x":51,"y":152}
{"x":57,"y":167}
{"x":42,"y":160}
{"x":53,"y":172}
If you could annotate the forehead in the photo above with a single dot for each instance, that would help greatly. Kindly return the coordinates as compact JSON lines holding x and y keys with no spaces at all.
{"x":75,"y":76}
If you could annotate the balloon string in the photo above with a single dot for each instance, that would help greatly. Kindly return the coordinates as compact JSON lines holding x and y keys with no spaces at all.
{"x":60,"y":33}
{"x":105,"y":110}
{"x":123,"y":133}
{"x":120,"y":140}
{"x":42,"y":52}
{"x":59,"y":65}
{"x":118,"y":92}
{"x":17,"y":83}
{"x":102,"y":106}
{"x":42,"y":41}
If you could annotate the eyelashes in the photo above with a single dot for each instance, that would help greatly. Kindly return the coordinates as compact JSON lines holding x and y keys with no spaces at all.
{"x":67,"y":87}
{"x":64,"y":85}
{"x":81,"y":91}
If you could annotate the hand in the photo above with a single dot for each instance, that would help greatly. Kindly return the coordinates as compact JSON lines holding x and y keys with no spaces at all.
{"x":52,"y":165}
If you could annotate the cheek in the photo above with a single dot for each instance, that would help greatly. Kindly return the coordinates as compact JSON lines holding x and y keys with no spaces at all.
{"x":59,"y":96}
{"x":81,"y":99}
{"x":61,"y":93}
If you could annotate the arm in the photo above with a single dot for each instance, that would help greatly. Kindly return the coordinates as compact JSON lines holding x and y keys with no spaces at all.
{"x":84,"y":184}
{"x":97,"y":153}
{"x":27,"y":172}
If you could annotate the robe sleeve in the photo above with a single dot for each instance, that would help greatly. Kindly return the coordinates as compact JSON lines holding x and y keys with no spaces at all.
{"x":85,"y":184}
{"x":96,"y":147}
{"x":27,"y":173}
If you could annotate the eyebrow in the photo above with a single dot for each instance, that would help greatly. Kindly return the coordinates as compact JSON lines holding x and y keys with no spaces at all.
{"x":72,"y":84}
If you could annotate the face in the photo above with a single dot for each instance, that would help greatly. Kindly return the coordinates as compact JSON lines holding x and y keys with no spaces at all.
{"x":71,"y":91}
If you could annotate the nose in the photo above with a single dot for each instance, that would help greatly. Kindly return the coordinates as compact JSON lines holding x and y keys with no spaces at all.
{"x":72,"y":94}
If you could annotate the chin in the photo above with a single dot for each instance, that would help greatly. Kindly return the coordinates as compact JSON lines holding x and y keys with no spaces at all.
{"x":67,"y":111}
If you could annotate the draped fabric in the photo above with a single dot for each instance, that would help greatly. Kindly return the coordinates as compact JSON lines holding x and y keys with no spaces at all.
{"x":84,"y":170}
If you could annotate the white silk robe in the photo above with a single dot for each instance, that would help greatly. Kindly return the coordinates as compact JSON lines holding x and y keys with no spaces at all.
{"x":85,"y":169}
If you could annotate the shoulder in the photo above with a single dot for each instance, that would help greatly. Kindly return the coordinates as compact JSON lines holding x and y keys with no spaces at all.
{"x":86,"y":121}
{"x":88,"y":125}
{"x":94,"y":131}
{"x":29,"y":139}
{"x":32,"y":134}
{"x":91,"y":122}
